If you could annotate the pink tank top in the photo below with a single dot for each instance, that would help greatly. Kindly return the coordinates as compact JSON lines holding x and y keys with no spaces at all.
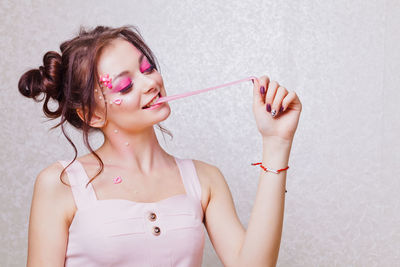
{"x":118,"y":232}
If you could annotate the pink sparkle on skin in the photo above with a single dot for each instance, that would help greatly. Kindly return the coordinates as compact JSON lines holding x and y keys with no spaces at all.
{"x":106,"y":80}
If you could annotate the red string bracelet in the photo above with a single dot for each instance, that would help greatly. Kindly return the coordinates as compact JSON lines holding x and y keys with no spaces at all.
{"x":270,"y":170}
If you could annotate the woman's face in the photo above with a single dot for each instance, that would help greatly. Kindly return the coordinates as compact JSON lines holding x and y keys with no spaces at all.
{"x":134,"y":83}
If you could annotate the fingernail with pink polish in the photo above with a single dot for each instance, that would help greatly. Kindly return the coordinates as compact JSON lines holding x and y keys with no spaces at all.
{"x":269,"y":107}
{"x":262,"y":90}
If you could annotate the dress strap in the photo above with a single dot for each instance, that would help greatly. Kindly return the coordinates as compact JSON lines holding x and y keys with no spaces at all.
{"x":189,"y":177}
{"x":83,"y":196}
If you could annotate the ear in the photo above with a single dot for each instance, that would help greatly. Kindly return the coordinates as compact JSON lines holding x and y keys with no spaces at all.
{"x":97,"y":120}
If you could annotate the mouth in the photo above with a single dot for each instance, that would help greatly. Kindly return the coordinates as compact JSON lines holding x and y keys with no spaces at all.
{"x":154,"y":100}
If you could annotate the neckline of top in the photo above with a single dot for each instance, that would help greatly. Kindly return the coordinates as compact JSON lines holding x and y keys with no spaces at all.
{"x":90,"y":186}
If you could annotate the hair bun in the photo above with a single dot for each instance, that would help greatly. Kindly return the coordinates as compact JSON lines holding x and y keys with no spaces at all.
{"x":46,"y":79}
{"x":52,"y":72}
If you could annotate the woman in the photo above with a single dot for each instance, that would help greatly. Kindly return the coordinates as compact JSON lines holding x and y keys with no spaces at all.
{"x":130,"y":203}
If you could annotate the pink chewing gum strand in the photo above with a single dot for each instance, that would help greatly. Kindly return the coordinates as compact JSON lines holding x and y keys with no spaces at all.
{"x":174,"y":97}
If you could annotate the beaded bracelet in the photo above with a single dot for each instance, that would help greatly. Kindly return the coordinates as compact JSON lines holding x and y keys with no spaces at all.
{"x":270,"y":170}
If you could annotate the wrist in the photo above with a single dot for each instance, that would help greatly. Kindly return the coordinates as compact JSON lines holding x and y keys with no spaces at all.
{"x":276,"y":152}
{"x":276,"y":143}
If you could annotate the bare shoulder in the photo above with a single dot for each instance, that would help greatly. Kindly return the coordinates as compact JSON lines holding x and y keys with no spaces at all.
{"x":206,"y":170}
{"x":210,"y":176}
{"x":210,"y":173}
{"x":49,"y":179}
{"x":50,"y":218}
{"x":45,"y":175}
{"x":49,"y":184}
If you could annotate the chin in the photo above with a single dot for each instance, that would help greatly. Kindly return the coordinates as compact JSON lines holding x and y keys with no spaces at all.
{"x":164,"y":113}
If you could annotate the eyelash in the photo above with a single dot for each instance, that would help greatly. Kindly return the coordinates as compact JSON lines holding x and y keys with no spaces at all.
{"x":127,"y":88}
{"x":150,"y":69}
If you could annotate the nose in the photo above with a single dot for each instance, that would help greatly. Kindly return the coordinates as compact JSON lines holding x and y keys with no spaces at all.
{"x":148,"y":84}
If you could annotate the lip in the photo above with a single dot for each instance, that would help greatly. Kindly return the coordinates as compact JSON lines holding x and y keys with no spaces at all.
{"x":158,"y":94}
{"x":155,"y":106}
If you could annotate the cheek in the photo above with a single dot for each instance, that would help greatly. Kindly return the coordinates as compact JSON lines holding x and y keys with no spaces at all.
{"x":120,"y":102}
{"x":99,"y":101}
{"x":130,"y":101}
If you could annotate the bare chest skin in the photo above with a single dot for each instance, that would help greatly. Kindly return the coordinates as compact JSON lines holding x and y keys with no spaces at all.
{"x":136,"y":188}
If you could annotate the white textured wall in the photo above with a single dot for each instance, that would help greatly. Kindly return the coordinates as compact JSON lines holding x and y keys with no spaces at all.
{"x":341,"y":57}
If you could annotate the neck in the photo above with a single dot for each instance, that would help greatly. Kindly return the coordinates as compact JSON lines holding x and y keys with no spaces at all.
{"x":134,"y":151}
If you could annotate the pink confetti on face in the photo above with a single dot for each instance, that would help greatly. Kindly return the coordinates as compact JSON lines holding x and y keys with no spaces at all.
{"x":117,"y":180}
{"x":106,"y":80}
{"x":118,"y":101}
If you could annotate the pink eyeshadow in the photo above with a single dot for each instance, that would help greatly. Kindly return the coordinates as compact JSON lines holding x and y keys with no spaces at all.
{"x":121,"y":85}
{"x":145,"y":65}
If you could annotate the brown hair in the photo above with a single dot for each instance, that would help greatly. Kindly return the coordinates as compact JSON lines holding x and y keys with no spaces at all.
{"x":70,"y":78}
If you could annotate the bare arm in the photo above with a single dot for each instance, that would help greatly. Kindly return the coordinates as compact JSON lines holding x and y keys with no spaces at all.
{"x":263,"y":235}
{"x":259,"y":244}
{"x":48,"y":221}
{"x":224,"y":228}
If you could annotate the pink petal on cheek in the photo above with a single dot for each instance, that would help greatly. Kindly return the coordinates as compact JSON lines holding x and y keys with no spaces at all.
{"x":117,"y":180}
{"x":118,"y":101}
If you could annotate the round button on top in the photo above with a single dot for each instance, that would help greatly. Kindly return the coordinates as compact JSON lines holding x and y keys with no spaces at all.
{"x":156,"y":230}
{"x":152,"y":217}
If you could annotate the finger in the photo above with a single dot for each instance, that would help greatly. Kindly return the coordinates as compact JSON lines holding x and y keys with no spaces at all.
{"x":272,"y":87}
{"x":259,"y":89}
{"x":277,"y":103}
{"x":256,"y":95}
{"x":291,"y":97}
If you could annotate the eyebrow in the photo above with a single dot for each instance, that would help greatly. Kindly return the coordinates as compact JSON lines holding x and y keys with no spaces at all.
{"x":126,"y":71}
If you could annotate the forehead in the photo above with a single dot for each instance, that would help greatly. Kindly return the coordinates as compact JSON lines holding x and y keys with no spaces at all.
{"x":118,"y":56}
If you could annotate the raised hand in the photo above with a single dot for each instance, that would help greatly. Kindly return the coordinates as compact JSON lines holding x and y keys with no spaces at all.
{"x":276,"y":110}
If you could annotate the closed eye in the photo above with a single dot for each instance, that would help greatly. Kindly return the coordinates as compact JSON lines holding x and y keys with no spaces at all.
{"x":126,"y":88}
{"x":150,"y":69}
{"x":146,"y":66}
